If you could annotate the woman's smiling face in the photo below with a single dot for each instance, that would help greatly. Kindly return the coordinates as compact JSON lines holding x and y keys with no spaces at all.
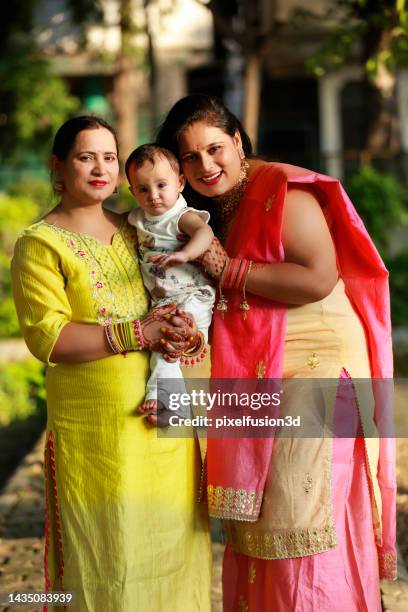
{"x":210,"y":158}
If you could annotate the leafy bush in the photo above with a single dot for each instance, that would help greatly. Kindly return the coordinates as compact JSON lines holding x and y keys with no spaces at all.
{"x":16,"y":212}
{"x":22,"y":412}
{"x":380,"y":200}
{"x":398,"y":268}
{"x":38,"y":190}
{"x":21,"y":386}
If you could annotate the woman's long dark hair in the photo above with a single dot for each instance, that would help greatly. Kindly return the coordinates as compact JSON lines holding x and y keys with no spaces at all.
{"x":189,"y":110}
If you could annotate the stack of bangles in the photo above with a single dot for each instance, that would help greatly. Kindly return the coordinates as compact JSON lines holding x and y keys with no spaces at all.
{"x":124,"y":336}
{"x":234,"y":275}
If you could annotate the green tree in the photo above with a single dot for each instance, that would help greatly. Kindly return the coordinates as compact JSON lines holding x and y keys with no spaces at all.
{"x":34,"y":102}
{"x":374,"y":34}
{"x":381,"y":201}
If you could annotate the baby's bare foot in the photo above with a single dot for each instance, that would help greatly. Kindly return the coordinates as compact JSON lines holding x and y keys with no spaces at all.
{"x":149,"y":406}
{"x":161,"y":418}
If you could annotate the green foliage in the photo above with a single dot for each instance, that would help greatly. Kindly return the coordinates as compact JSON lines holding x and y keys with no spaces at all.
{"x":21,"y":385}
{"x":398,"y":268}
{"x":35,"y":103}
{"x":38,"y":190}
{"x":16,"y":212}
{"x":22,"y":412}
{"x":380,"y":200}
{"x":333,"y":53}
{"x":373,"y":32}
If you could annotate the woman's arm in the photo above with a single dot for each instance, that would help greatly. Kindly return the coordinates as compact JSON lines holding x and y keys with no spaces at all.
{"x":161,"y":328}
{"x":45,"y":314}
{"x":79,"y":342}
{"x":309,"y":271}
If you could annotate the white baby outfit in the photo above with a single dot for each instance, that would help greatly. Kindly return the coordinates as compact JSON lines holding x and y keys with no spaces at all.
{"x":185,"y":284}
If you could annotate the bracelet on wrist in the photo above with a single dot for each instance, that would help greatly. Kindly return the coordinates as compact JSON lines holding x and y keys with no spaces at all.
{"x":124,"y":336}
{"x":195,"y":353}
{"x":234,"y":275}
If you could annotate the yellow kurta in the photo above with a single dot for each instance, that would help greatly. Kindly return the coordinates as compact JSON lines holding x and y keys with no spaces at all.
{"x":124,"y":530}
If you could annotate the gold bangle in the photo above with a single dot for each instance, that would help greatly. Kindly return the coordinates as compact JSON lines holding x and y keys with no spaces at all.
{"x":197,"y":348}
{"x":124,"y":336}
{"x":195,"y":354}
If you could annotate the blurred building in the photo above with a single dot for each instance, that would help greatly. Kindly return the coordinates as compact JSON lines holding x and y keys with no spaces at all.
{"x":85,"y":56}
{"x":320,"y":123}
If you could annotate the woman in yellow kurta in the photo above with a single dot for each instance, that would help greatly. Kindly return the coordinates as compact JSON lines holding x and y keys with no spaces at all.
{"x":123,"y":531}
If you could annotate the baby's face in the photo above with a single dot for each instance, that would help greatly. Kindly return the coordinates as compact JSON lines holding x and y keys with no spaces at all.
{"x":156,"y":187}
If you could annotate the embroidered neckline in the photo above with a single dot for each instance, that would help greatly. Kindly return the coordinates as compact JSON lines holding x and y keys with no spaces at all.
{"x":58,"y":228}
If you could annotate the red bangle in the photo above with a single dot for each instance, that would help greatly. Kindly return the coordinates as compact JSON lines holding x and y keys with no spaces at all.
{"x":242,"y":272}
{"x":138,"y":333}
{"x":235,"y":273}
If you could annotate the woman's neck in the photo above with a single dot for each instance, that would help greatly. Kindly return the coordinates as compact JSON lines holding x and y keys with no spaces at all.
{"x":90,"y":219}
{"x":226,"y":205}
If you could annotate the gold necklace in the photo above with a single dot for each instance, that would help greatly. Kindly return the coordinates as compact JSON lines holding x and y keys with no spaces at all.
{"x":227,"y":204}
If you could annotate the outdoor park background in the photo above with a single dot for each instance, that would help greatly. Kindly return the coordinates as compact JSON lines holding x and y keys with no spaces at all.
{"x":318,"y":83}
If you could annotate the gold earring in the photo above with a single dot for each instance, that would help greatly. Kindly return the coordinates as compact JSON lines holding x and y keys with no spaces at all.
{"x":243,"y":173}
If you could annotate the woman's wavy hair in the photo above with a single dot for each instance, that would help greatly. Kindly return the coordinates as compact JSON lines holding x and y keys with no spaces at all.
{"x":189,"y":110}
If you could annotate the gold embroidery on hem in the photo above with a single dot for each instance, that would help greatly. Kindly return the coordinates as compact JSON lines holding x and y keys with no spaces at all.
{"x":251,"y":572}
{"x":237,"y":504}
{"x":260,"y":369}
{"x":369,"y":470}
{"x":283,"y":545}
{"x":307,"y":483}
{"x":388,"y":565}
{"x":243,"y":605}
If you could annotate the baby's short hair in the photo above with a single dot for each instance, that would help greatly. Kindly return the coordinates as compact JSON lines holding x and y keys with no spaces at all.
{"x":150,"y":152}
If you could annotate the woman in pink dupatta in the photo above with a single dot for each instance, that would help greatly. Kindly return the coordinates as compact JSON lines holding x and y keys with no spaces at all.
{"x":303,"y":295}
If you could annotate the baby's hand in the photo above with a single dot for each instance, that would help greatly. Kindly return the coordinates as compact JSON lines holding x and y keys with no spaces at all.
{"x":173,"y":259}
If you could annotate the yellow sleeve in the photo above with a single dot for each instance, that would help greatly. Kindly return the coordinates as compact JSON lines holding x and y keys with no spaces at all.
{"x":39,"y":295}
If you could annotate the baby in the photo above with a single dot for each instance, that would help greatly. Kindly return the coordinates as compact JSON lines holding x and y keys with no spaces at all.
{"x":170,"y":235}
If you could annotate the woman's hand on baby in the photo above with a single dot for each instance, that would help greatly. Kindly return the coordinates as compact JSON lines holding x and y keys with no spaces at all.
{"x":179,"y":335}
{"x":172,"y":259}
{"x":169,"y":330}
